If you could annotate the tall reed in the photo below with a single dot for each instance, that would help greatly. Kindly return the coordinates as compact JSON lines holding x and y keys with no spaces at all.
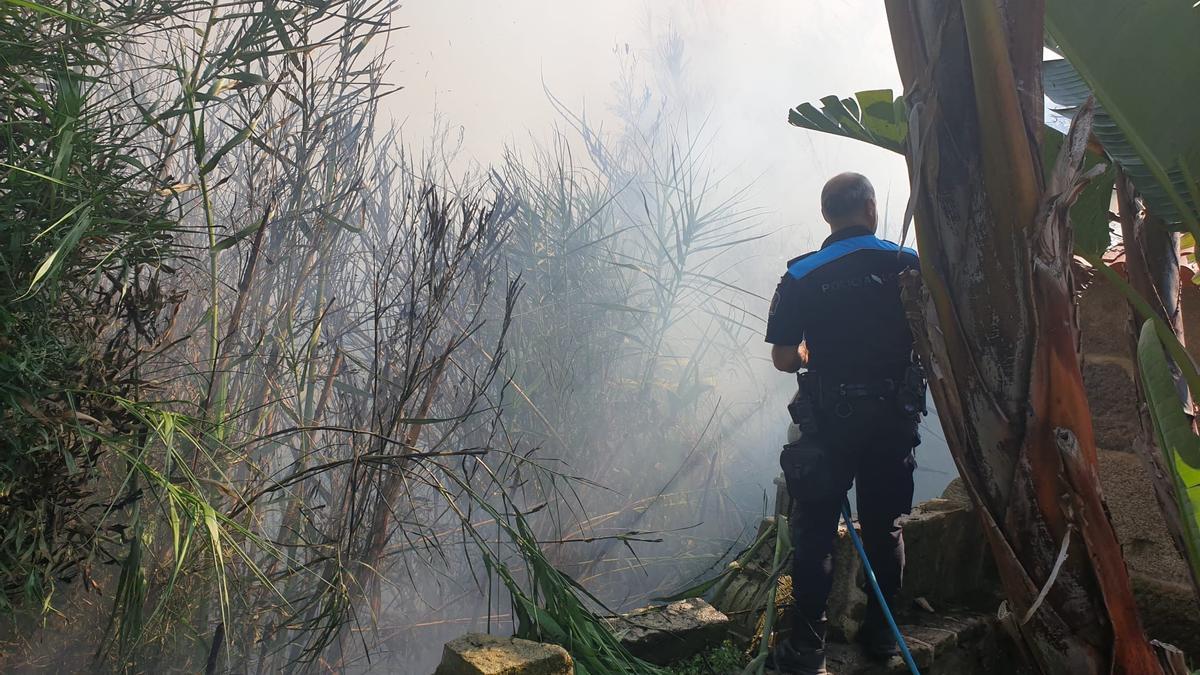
{"x":291,"y":397}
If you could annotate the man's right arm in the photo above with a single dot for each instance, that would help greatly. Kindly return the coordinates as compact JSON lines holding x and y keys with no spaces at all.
{"x":785,"y":327}
{"x":789,"y":358}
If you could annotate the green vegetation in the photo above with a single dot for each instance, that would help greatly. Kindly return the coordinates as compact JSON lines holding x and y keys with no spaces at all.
{"x":724,"y":659}
{"x":279,"y":391}
{"x":272,"y":380}
{"x":86,"y":233}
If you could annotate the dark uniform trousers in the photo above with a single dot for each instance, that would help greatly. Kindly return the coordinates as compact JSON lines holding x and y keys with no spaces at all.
{"x":868,"y":441}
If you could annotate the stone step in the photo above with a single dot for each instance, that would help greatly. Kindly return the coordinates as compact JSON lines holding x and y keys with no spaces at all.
{"x":948,"y":566}
{"x":951,"y":644}
{"x":962,"y":643}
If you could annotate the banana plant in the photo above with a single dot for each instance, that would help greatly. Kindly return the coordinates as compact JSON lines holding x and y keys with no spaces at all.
{"x":997,"y":309}
{"x":982,"y":311}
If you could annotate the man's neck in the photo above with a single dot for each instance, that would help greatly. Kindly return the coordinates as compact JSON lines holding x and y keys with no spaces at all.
{"x":846,"y":233}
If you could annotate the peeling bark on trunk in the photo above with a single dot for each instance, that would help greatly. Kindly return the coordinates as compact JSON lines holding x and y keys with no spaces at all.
{"x":1000,"y":338}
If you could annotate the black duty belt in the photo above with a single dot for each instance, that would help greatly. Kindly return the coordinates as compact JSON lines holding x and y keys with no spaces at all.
{"x":817,"y":393}
{"x":862,"y":390}
{"x":820,"y":387}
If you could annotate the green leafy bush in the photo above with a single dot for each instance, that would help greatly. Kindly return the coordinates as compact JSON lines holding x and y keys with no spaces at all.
{"x":724,"y":659}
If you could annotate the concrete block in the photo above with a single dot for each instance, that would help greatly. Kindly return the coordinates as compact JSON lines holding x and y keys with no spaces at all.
{"x":948,"y":560}
{"x":479,"y":654}
{"x":678,"y":630}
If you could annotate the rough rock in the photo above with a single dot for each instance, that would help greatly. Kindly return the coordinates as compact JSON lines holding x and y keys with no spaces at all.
{"x":1161,"y":585}
{"x":1137,"y":519}
{"x":783,"y":502}
{"x":948,"y":566}
{"x":1169,"y":612}
{"x":664,"y":634}
{"x":479,"y":654}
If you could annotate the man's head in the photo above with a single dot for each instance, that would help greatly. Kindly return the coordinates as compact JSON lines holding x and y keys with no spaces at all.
{"x":848,"y":200}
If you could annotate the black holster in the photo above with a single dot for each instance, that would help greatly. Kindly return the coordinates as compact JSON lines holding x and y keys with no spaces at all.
{"x":803,"y":407}
{"x":812,"y":470}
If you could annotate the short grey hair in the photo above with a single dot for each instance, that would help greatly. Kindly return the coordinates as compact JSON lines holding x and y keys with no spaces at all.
{"x":844,"y":194}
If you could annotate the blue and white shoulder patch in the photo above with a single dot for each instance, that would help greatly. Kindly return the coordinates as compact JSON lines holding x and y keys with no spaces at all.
{"x":808,"y":264}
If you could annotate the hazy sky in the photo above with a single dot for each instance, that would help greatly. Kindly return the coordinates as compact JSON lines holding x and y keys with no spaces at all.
{"x":480,"y":66}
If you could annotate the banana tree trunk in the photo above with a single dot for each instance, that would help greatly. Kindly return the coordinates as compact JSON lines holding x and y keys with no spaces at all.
{"x":1000,"y":336}
{"x":1152,"y":264}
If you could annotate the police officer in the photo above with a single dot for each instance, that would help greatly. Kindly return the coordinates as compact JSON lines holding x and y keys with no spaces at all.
{"x":837,"y":313}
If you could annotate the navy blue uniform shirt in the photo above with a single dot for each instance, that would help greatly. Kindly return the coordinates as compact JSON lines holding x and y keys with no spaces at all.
{"x":843,"y":301}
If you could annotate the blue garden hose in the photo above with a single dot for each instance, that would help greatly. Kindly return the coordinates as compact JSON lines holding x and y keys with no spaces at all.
{"x":887,"y":612}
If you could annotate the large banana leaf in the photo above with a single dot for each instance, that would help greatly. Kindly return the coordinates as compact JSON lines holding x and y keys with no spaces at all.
{"x":875,"y":117}
{"x":1139,"y":58}
{"x":872,"y":116}
{"x":1180,"y":446}
{"x":1067,"y":90}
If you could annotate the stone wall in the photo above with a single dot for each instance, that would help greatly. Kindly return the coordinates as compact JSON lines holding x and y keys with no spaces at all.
{"x":1106,"y":330}
{"x":1108,"y":373}
{"x":1160,"y":577}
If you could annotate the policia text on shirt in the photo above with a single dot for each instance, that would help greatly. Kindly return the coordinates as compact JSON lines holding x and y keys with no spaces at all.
{"x":837,"y":313}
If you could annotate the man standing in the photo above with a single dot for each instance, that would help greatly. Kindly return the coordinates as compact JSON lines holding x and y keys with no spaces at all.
{"x":837,"y":312}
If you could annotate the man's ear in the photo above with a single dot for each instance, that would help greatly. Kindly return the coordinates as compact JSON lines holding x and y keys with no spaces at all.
{"x":871,"y":213}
